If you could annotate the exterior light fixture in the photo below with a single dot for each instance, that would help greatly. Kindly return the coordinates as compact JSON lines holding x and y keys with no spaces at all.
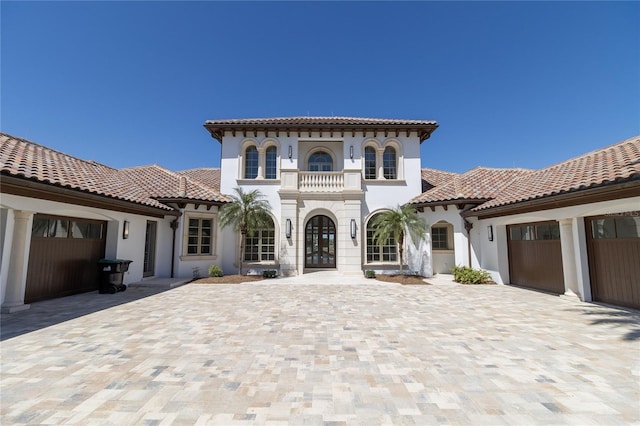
{"x":290,"y":154}
{"x":287,"y":228}
{"x":490,"y":232}
{"x":353,"y":228}
{"x":125,"y":230}
{"x":351,"y":152}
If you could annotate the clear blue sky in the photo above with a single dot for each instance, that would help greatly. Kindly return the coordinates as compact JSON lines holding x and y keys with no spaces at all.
{"x":510,"y":83}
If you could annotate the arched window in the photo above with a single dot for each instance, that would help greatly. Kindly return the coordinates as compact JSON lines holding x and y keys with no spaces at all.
{"x":370,"y":169}
{"x":389,"y":163}
{"x":271,"y":164}
{"x":260,"y":245}
{"x":251,"y":163}
{"x":320,"y":162}
{"x":380,"y":253}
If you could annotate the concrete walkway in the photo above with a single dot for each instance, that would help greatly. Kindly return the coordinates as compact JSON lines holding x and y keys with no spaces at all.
{"x":363,"y":353}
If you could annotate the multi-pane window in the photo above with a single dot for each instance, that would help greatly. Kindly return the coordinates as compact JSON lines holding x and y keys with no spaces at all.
{"x":440,"y":238}
{"x":386,"y":252}
{"x":260,"y":245}
{"x":200,"y":236}
{"x":370,"y":169}
{"x":44,"y":227}
{"x":320,"y":162}
{"x":271,"y":163}
{"x":389,"y":163}
{"x":251,"y":163}
{"x":616,"y":227}
{"x":542,"y":231}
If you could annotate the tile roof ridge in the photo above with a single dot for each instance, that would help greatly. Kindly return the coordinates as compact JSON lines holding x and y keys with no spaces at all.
{"x":197,"y":168}
{"x":53,"y":150}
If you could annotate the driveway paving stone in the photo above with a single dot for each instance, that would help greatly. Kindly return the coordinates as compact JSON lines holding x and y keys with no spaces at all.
{"x":281,"y":352}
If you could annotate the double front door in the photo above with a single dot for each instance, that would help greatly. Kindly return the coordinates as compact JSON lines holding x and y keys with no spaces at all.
{"x":320,"y":243}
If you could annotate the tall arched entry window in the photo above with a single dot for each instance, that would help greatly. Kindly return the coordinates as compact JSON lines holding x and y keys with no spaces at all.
{"x":320,"y":243}
{"x":320,"y":162}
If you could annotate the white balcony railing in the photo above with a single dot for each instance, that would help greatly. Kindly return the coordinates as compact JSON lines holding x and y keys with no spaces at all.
{"x":321,"y":181}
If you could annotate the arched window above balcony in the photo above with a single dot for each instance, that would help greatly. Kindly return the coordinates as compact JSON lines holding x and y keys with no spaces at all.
{"x":320,"y":161}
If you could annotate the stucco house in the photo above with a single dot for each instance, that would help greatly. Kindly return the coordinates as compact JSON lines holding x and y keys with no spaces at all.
{"x":572,"y":228}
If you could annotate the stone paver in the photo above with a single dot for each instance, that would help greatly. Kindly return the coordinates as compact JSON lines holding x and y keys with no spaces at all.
{"x":278,"y":352}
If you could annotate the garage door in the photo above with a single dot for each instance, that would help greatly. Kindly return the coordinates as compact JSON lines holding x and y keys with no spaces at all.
{"x":63,"y":257}
{"x":535,"y":256}
{"x":614,"y":258}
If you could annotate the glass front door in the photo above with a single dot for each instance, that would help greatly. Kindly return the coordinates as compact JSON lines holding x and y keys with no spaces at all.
{"x":320,"y":243}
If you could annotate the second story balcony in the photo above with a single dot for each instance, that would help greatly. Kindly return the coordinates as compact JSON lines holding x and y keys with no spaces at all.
{"x":321,"y":182}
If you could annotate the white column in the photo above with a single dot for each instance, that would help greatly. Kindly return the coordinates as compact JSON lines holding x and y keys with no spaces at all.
{"x":568,"y":258}
{"x":350,"y":249}
{"x":380,"y":162}
{"x":18,"y":262}
{"x":288,"y":253}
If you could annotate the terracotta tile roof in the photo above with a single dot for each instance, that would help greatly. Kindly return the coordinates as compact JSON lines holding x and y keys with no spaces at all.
{"x":164,"y":184}
{"x":218,"y":127}
{"x":142,"y":185}
{"x":208,"y":176}
{"x":432,"y":178}
{"x":480,"y":183}
{"x":614,"y":164}
{"x":23,"y":158}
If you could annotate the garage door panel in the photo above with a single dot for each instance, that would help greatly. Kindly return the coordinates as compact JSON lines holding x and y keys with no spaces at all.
{"x":536,"y":263}
{"x":61,"y":265}
{"x":615,"y":270}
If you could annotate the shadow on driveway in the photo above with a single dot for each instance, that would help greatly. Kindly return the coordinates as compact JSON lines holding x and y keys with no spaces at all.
{"x":613,"y":315}
{"x":50,"y":312}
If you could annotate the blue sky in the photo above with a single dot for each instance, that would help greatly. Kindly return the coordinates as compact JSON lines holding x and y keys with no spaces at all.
{"x":511,"y":84}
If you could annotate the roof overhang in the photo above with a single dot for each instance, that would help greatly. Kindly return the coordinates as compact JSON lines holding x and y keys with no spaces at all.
{"x":602,"y":193}
{"x":44,"y":191}
{"x":217,"y":129}
{"x":459,"y":203}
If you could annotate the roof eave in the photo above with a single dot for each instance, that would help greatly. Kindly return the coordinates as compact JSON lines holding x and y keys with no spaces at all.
{"x":217,"y":130}
{"x":605,"y":192}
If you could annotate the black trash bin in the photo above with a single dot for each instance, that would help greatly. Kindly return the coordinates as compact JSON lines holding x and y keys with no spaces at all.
{"x":112,"y":275}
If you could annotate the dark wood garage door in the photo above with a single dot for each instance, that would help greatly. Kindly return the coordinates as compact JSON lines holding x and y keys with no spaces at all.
{"x":63,"y":257}
{"x":535,"y":256}
{"x":614,"y":258}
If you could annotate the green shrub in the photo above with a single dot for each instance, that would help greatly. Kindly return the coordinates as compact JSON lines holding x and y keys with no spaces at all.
{"x":467,"y":275}
{"x":269,"y":273}
{"x":369,"y":273}
{"x":215,"y":271}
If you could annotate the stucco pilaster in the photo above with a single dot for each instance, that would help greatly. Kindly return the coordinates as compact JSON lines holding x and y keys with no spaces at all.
{"x":18,"y":262}
{"x":568,"y":258}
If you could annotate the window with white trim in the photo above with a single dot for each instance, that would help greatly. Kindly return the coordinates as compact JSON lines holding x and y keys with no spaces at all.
{"x":389,"y":163}
{"x":442,"y":237}
{"x":200,"y":236}
{"x":370,"y":168}
{"x":386,"y":252}
{"x":260,"y":245}
{"x":271,"y":163}
{"x":251,"y":159}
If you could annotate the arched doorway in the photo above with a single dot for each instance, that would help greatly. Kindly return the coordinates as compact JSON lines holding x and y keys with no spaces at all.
{"x":320,"y":243}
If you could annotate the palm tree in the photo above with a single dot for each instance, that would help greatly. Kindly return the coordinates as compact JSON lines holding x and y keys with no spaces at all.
{"x":394,"y":223}
{"x":247,"y":212}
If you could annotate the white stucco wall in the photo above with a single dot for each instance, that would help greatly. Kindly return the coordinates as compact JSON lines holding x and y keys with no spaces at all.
{"x":116,"y":247}
{"x":375,"y":195}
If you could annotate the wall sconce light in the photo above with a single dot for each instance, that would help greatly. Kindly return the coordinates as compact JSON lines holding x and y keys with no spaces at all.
{"x":353,"y":228}
{"x":351,"y":152}
{"x":490,"y":232}
{"x":125,"y":230}
{"x":287,"y":228}
{"x":290,"y":151}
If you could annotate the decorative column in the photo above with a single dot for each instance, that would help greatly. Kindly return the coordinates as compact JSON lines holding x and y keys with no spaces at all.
{"x":568,"y":258}
{"x":380,"y":162}
{"x":261,"y":163}
{"x":18,"y":262}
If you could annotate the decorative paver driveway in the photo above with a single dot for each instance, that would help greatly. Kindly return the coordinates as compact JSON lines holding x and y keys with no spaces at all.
{"x":326,"y":354}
